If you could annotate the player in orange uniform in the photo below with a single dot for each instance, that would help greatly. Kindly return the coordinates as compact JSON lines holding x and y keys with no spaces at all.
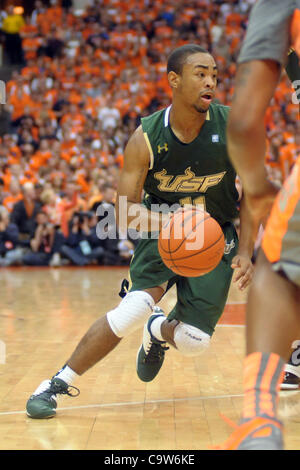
{"x":273,"y":313}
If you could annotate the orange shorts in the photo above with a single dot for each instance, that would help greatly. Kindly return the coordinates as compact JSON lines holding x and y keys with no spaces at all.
{"x":281,"y":240}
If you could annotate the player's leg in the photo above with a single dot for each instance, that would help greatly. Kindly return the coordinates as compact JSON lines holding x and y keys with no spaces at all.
{"x":191,"y":323}
{"x":146,"y":273}
{"x":147,"y":269}
{"x":106,"y":333}
{"x":273,"y":302}
{"x":101,"y":338}
{"x":273,"y":317}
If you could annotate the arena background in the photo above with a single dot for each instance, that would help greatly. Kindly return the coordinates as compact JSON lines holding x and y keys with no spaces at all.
{"x":78,"y":76}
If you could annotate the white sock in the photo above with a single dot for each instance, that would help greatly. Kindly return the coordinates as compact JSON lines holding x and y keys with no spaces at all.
{"x":155,"y":327}
{"x":67,"y":375}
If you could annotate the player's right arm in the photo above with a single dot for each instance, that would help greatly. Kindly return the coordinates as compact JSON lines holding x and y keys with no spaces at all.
{"x":129,"y":210}
{"x":256,"y":83}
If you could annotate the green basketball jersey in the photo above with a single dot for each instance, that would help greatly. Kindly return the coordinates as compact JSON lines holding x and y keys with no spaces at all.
{"x":196,"y":173}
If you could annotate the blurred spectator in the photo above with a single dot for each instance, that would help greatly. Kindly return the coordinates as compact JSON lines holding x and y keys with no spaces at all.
{"x":5,"y":120}
{"x":24,"y":212}
{"x":10,"y":250}
{"x":83,"y":247}
{"x":90,"y":76}
{"x":45,"y":243}
{"x":14,"y":195}
{"x":67,"y":4}
{"x":11,"y":27}
{"x":70,"y":203}
{"x":39,"y":9}
{"x":118,"y":248}
{"x":52,"y":46}
{"x":51,"y":205}
{"x":2,"y":194}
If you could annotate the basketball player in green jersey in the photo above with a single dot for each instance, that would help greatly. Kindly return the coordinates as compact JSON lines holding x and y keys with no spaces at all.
{"x":178,"y":155}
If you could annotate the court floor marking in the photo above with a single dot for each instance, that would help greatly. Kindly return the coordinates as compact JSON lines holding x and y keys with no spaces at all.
{"x":175,"y":400}
{"x":133,"y":403}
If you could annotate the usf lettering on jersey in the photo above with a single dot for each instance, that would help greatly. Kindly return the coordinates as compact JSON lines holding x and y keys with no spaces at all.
{"x":196,"y":173}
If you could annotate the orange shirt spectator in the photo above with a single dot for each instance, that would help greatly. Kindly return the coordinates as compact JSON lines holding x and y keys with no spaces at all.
{"x":14,"y":196}
{"x":18,"y":103}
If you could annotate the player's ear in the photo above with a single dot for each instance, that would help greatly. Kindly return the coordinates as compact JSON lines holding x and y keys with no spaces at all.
{"x":174,"y":79}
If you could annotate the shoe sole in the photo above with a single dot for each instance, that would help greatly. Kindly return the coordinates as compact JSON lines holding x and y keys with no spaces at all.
{"x":40,"y":417}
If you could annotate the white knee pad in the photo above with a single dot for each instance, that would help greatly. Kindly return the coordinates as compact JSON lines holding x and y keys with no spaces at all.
{"x":131,"y":313}
{"x":190,"y":341}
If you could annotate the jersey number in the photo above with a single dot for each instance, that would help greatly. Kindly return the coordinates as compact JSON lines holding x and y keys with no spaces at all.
{"x":198,"y":201}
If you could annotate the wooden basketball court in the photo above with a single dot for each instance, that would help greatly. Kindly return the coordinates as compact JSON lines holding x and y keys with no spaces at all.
{"x":45,"y":312}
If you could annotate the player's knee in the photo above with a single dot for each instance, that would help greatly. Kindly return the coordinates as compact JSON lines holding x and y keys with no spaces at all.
{"x":131,"y":313}
{"x":189,"y":340}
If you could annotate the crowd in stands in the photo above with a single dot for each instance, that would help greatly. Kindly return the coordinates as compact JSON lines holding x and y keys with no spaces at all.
{"x":84,"y":79}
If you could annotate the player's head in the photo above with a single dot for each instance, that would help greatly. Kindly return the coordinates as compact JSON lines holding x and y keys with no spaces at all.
{"x":192,"y":74}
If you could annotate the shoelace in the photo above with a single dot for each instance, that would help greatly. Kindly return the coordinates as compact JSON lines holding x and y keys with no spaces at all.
{"x":155,"y":352}
{"x":56,"y":388}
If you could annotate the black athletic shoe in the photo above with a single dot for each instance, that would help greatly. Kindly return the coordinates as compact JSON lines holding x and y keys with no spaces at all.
{"x":151,"y":354}
{"x":43,"y":403}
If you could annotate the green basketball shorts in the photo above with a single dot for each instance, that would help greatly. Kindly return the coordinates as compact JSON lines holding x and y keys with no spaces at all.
{"x":200,"y":300}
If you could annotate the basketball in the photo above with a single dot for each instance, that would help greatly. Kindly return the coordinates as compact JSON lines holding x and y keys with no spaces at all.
{"x":191,"y":243}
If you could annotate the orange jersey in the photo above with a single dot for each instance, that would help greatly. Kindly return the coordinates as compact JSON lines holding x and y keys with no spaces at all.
{"x":282,"y":214}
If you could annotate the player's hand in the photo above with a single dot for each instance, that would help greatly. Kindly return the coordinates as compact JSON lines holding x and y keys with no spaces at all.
{"x":244,"y":270}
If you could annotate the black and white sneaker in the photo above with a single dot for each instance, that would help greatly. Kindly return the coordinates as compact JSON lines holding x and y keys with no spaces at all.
{"x":151,"y":354}
{"x":290,"y":382}
{"x":291,"y":379}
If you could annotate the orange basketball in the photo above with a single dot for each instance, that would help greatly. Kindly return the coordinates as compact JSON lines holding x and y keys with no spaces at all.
{"x":191,"y":243}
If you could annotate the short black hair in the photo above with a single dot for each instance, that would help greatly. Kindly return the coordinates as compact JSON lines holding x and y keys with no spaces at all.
{"x":178,"y":57}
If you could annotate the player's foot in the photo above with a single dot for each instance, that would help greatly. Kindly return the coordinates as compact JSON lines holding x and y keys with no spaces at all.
{"x":290,"y":382}
{"x":151,"y":353}
{"x":43,"y":403}
{"x":259,"y":433}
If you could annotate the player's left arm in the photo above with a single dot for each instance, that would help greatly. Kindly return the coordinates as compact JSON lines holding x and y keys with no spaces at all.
{"x":242,"y":263}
